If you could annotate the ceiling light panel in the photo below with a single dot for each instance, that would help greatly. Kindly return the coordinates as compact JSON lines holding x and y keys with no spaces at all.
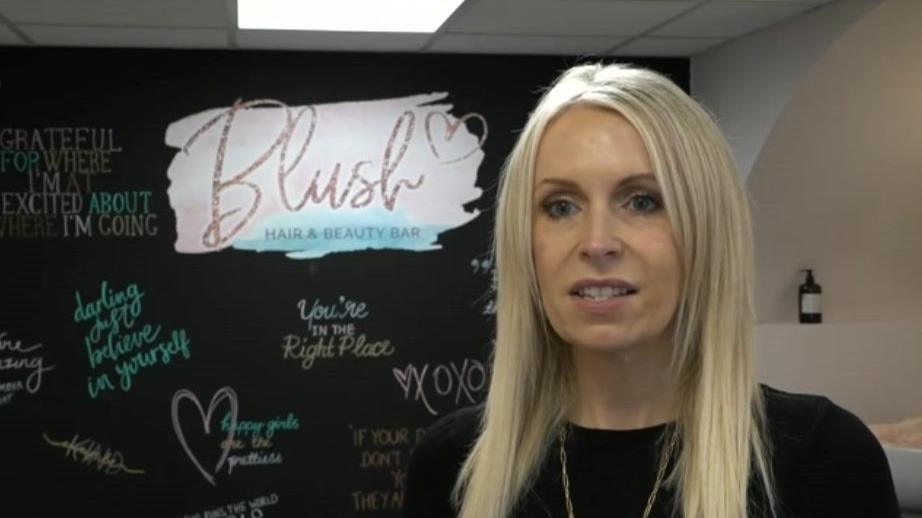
{"x":410,"y":16}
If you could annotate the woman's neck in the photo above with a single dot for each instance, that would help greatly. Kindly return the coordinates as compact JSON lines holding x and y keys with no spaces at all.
{"x":626,"y":390}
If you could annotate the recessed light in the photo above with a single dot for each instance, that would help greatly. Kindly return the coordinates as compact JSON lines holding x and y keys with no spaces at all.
{"x":345,"y":15}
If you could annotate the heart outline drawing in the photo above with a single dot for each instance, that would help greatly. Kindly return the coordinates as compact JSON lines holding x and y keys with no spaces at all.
{"x":221,"y":394}
{"x":450,"y":130}
{"x":405,"y":378}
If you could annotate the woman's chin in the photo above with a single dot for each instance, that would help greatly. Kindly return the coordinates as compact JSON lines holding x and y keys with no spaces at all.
{"x":602,"y":342}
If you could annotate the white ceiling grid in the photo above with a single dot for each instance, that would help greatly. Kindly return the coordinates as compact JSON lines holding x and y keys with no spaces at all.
{"x":565,"y":27}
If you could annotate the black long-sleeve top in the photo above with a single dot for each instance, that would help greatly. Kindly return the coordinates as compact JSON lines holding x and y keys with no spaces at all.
{"x":827,"y":464}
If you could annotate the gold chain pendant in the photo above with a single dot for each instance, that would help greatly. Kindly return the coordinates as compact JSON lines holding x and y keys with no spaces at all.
{"x":664,"y":461}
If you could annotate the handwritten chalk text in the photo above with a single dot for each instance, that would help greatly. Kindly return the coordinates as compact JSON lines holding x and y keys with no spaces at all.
{"x":265,"y":429}
{"x":308,"y":349}
{"x":242,"y":509}
{"x":89,"y":452}
{"x":25,"y":361}
{"x":118,"y":341}
{"x":428,"y":381}
{"x":342,"y":309}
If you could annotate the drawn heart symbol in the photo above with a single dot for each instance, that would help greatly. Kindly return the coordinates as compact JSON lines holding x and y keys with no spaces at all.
{"x":222,"y":393}
{"x":403,"y":378}
{"x":450,"y":130}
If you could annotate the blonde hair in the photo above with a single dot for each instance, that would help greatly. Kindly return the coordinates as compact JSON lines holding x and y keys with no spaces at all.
{"x":720,"y":409}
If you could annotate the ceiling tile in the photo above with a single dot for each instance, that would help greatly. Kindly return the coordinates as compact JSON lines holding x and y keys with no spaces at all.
{"x":159,"y":13}
{"x":73,"y":36}
{"x":322,"y":40}
{"x":539,"y":45}
{"x":555,"y":17}
{"x":666,"y":46}
{"x":726,"y":19}
{"x":8,"y":37}
{"x":813,"y":2}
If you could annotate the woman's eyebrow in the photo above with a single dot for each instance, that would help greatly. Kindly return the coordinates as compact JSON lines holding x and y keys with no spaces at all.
{"x":629,"y":179}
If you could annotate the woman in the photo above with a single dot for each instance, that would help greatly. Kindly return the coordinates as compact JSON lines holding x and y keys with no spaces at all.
{"x":622,"y":380}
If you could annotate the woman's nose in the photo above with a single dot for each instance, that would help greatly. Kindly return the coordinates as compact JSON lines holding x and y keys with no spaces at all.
{"x":600,"y":239}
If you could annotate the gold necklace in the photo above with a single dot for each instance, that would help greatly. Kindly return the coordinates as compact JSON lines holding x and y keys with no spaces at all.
{"x":566,"y":479}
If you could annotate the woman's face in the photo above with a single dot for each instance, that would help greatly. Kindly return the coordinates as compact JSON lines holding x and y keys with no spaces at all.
{"x":596,"y":222}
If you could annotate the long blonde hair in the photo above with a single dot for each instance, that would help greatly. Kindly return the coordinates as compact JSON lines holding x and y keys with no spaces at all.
{"x":720,"y":410}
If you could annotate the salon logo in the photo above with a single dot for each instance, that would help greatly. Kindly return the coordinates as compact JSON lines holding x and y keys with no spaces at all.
{"x":310,"y":180}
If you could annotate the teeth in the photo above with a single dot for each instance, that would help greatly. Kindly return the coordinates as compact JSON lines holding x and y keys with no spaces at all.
{"x":601,"y":292}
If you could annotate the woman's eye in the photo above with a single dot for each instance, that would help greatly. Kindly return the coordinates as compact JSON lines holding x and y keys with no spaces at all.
{"x":557,"y":209}
{"x":652,"y":205}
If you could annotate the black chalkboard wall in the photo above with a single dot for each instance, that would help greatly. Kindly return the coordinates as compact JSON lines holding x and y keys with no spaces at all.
{"x":194,"y":325}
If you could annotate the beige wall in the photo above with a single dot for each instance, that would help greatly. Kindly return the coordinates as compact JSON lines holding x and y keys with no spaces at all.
{"x":747,"y":82}
{"x":828,"y":110}
{"x":837,"y":187}
{"x":835,"y":143}
{"x":838,"y":184}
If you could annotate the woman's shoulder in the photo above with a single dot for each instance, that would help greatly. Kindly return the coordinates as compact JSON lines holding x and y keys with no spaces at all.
{"x":436,"y":461}
{"x":795,"y":416}
{"x":827,"y":455}
{"x":813,"y":421}
{"x":453,"y":430}
{"x":809,"y":419}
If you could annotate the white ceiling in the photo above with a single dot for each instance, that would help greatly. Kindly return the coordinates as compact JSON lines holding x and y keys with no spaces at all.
{"x":567,"y":27}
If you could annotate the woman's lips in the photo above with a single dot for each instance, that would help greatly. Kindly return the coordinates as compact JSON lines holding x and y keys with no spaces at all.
{"x":601,"y":306}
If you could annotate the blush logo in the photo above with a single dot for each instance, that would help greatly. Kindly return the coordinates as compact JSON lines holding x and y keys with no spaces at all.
{"x":310,"y":180}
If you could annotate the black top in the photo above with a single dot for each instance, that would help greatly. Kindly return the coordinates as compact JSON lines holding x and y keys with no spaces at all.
{"x":827,"y":464}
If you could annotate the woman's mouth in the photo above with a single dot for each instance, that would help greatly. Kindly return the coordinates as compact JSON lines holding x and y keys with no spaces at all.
{"x":602,"y":293}
{"x":601,"y":300}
